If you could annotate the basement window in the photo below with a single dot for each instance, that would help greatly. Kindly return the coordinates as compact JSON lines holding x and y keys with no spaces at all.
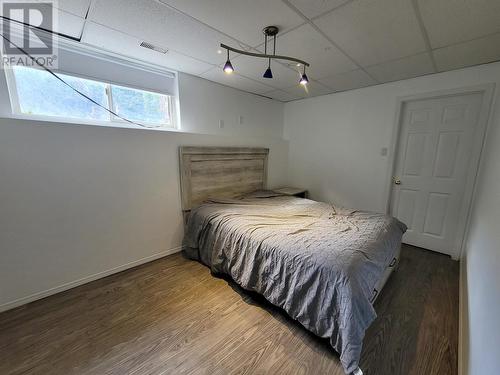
{"x":38,"y":94}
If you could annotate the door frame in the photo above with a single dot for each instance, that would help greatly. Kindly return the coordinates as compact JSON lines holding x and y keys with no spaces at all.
{"x":487,"y":91}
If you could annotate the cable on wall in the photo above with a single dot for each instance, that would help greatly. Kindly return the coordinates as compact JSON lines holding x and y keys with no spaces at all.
{"x":73,"y":88}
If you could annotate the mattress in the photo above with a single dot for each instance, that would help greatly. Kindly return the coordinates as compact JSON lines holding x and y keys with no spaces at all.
{"x":318,"y":262}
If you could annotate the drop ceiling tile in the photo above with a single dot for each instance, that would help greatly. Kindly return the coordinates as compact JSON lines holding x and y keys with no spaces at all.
{"x":453,"y":21}
{"x":307,"y":44}
{"x":372,"y":32}
{"x":348,"y":81}
{"x":282,"y":96}
{"x":76,"y":7}
{"x":313,"y":8}
{"x":115,"y":41}
{"x":404,"y":68}
{"x":312,"y":89}
{"x":158,"y":24}
{"x":65,"y":23}
{"x":241,"y":19}
{"x":254,"y":68}
{"x":235,"y":80}
{"x":69,"y":24}
{"x":479,"y":51}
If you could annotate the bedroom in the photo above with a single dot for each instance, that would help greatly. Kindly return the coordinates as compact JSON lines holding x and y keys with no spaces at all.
{"x":110,"y":143}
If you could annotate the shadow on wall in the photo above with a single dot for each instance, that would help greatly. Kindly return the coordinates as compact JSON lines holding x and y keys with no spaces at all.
{"x":463,"y":335}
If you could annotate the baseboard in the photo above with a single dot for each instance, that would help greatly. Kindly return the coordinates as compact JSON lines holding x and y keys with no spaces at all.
{"x":87,"y":279}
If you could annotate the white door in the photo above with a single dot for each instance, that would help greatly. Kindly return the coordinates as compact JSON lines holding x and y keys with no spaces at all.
{"x":435,"y":150}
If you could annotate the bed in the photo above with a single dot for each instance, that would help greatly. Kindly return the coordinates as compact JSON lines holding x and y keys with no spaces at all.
{"x":324,"y":265}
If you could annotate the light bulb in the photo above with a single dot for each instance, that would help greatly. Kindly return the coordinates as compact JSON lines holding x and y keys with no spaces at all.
{"x":304,"y":80}
{"x":228,"y":67}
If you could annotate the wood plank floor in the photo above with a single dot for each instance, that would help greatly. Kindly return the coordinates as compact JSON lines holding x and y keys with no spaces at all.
{"x":172,"y":316}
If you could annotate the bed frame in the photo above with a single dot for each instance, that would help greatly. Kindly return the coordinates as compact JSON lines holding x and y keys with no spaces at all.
{"x":220,"y":172}
{"x":385,"y":276}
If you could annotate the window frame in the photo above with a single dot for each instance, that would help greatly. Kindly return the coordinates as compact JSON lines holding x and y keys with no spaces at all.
{"x":114,"y":118}
{"x":113,"y":121}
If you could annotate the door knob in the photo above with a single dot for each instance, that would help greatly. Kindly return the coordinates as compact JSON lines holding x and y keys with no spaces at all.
{"x":397,"y":181}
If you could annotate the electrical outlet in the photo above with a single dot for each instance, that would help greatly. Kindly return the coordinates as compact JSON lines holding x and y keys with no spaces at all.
{"x":383,"y":151}
{"x":221,"y":124}
{"x":240,"y":120}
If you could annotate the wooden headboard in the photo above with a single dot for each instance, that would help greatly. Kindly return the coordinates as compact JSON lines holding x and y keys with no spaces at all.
{"x":220,"y":172}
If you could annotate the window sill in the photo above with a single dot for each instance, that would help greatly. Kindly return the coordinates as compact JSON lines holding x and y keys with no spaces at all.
{"x":107,"y":124}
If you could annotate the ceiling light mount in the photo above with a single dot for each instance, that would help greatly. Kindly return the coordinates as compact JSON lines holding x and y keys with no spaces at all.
{"x":269,"y":32}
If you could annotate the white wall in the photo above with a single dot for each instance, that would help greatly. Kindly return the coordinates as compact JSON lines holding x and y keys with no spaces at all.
{"x":480,"y":271}
{"x":204,"y":103}
{"x":79,"y":201}
{"x":334,"y":151}
{"x":336,"y":140}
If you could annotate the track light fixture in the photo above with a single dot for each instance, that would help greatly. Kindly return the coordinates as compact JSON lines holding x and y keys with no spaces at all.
{"x":303,"y":79}
{"x":269,"y":31}
{"x":228,"y":67}
{"x":268,"y":73}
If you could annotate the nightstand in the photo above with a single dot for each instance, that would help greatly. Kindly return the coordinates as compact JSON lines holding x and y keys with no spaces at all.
{"x":296,"y":192}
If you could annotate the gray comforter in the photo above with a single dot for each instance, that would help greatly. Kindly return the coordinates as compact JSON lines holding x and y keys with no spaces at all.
{"x":318,"y":262}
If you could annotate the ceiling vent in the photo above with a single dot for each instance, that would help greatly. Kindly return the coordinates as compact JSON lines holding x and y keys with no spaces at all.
{"x":153,"y":47}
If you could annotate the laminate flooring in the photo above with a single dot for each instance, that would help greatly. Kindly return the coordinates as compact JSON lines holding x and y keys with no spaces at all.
{"x":171,"y":316}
